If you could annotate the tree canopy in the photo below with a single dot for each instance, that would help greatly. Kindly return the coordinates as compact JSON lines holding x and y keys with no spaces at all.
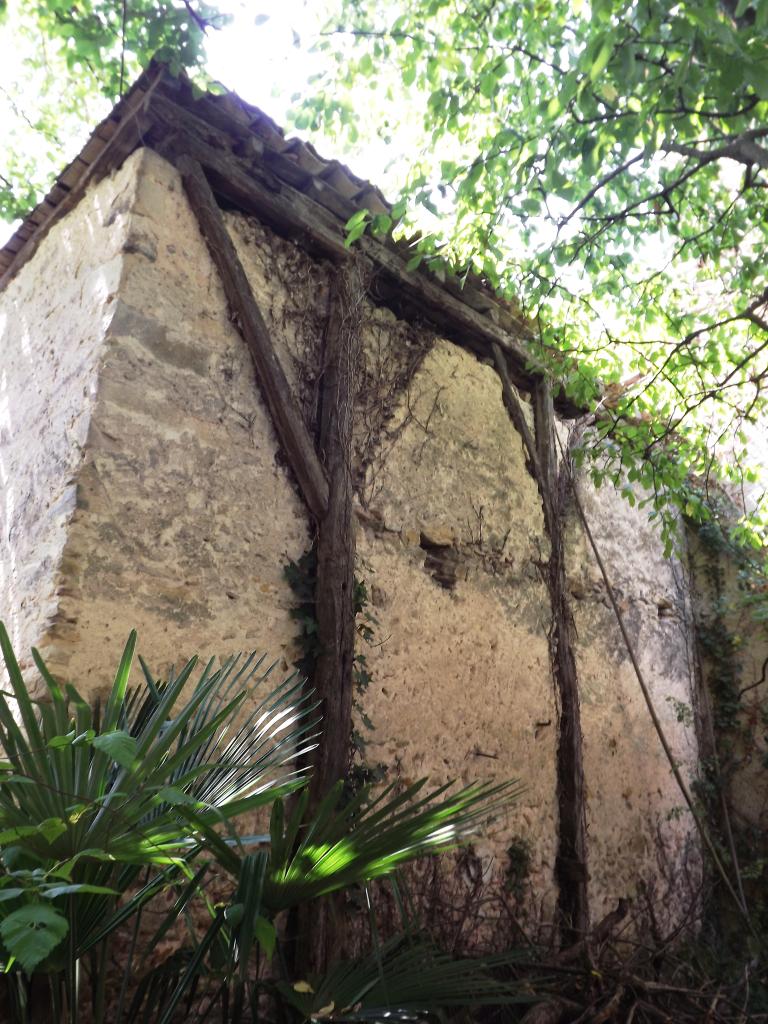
{"x":604,"y":164}
{"x":64,"y":65}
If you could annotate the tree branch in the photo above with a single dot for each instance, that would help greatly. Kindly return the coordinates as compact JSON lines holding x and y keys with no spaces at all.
{"x":600,"y":185}
{"x":741,"y":148}
{"x":198,"y":19}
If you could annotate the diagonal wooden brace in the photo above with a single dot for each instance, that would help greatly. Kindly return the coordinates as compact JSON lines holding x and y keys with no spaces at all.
{"x":281,"y":402}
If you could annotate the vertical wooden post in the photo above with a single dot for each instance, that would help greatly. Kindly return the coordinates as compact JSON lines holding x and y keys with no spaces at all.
{"x":325,"y":480}
{"x":334,"y":589}
{"x":571,"y":865}
{"x":553,"y":482}
{"x":332,"y":680}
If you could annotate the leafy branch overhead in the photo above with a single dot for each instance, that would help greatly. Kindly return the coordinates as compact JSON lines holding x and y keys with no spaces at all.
{"x":65,"y":64}
{"x":602,"y":163}
{"x":606,"y":164}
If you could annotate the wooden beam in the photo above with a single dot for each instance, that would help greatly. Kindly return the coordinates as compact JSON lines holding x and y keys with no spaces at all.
{"x":244,"y":187}
{"x":458,"y":321}
{"x":332,"y":680}
{"x":283,"y":407}
{"x":295,"y":215}
{"x":334,"y":590}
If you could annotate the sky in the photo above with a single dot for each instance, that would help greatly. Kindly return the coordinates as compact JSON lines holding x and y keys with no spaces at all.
{"x":262,"y":53}
{"x":264,"y":56}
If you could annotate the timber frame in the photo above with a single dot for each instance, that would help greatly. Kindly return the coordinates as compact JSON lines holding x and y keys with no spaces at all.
{"x":251,"y":166}
{"x":230,"y":155}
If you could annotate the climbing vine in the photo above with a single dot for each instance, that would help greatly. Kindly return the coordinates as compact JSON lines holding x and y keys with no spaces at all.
{"x":361,"y":772}
{"x":301,"y":575}
{"x":737,"y":609}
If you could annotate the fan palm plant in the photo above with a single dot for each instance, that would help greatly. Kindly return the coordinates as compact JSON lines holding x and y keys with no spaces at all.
{"x":100,"y":813}
{"x":403,"y":978}
{"x":343,"y":844}
{"x":89,"y":801}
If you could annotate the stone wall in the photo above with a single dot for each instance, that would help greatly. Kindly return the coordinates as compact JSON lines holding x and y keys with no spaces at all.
{"x":184,"y":511}
{"x":729,"y":605}
{"x":640,"y":833}
{"x":53,"y":320}
{"x":169,"y":509}
{"x":452,"y":541}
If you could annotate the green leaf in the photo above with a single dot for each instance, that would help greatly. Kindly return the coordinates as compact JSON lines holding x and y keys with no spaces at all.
{"x":11,"y":835}
{"x":266,"y":935}
{"x":118,"y":745}
{"x":756,"y":74}
{"x":58,"y":742}
{"x":627,"y":66}
{"x":120,"y":685}
{"x":11,"y":894}
{"x":175,"y":797}
{"x":381,"y":224}
{"x":79,"y":887}
{"x":52,"y":828}
{"x":588,"y":146}
{"x":601,"y":58}
{"x":398,"y":210}
{"x":31,"y":933}
{"x":234,"y":914}
{"x":352,"y":236}
{"x":359,"y":217}
{"x":488,"y":84}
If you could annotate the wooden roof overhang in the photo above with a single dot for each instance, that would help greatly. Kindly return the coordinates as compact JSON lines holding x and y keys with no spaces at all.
{"x":251,"y":166}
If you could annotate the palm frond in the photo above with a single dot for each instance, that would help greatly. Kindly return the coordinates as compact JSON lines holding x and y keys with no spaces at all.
{"x":406,"y":977}
{"x":232,"y":761}
{"x":368,"y":838}
{"x":94,"y":801}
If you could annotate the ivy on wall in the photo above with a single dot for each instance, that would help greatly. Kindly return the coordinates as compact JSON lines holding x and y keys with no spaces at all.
{"x":301,"y":576}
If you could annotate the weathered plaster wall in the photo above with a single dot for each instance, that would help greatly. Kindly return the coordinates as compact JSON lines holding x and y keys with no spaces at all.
{"x":292,"y":292}
{"x":452,"y":537}
{"x":180,"y":515}
{"x":641,"y":836}
{"x":184,"y":511}
{"x":53,"y":319}
{"x":733,"y":641}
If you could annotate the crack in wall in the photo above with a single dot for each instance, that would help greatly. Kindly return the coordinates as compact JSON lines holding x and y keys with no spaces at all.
{"x":441,"y":562}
